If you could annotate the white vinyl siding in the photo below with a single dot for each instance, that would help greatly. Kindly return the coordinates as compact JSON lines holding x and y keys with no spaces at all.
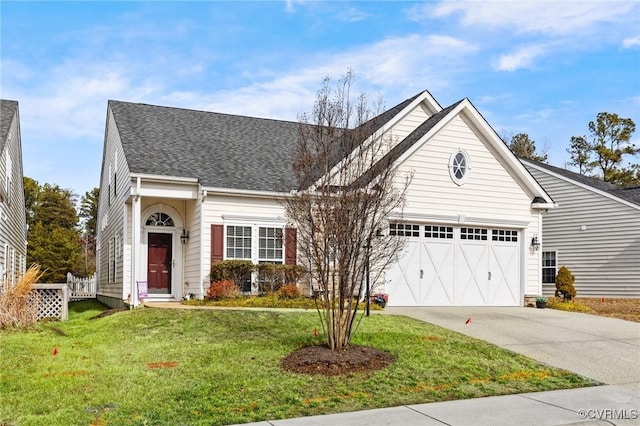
{"x":114,"y":219}
{"x":598,"y":238}
{"x":13,"y":228}
{"x":491,"y":196}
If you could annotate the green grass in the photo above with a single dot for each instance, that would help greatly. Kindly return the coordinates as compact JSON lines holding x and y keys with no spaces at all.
{"x":222,"y":367}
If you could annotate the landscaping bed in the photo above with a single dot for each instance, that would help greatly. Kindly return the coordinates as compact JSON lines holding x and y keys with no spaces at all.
{"x":175,"y":366}
{"x":626,"y":309}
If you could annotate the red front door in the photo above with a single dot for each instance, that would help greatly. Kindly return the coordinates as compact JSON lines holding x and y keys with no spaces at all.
{"x":159,"y":263}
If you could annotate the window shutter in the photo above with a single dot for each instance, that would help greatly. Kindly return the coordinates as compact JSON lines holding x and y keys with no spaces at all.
{"x":217,"y":243}
{"x":290,"y":246}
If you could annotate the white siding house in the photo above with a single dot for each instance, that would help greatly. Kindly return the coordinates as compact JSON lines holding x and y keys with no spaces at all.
{"x":594,"y":231}
{"x":13,"y":225}
{"x":181,"y":189}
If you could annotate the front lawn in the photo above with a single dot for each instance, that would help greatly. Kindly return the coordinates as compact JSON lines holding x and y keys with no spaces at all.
{"x":156,"y":366}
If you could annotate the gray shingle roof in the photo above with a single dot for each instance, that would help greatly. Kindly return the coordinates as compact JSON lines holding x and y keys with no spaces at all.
{"x":405,"y":144}
{"x":220,"y":150}
{"x":7,"y":112}
{"x":629,"y":194}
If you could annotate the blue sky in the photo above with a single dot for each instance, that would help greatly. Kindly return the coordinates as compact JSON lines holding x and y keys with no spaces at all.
{"x":543,"y":68}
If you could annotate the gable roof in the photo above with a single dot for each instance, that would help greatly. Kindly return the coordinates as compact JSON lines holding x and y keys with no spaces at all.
{"x":403,"y":146}
{"x":7,"y":112}
{"x":631,"y":195}
{"x":220,"y":150}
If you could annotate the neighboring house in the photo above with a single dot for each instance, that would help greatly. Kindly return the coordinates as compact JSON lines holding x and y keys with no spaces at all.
{"x":181,"y":189}
{"x":594,"y":231}
{"x":13,"y":221}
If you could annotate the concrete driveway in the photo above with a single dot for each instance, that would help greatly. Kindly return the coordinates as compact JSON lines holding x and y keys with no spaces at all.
{"x":604,"y":349}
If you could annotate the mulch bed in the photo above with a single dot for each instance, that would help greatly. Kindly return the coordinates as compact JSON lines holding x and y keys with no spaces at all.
{"x":626,"y":309}
{"x":322,"y":360}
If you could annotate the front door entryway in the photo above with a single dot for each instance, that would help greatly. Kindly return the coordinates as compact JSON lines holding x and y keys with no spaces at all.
{"x":159,"y":263}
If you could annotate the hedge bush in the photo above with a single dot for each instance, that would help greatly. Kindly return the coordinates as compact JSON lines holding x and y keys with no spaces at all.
{"x":221,"y":289}
{"x":238,"y":271}
{"x":289,"y":291}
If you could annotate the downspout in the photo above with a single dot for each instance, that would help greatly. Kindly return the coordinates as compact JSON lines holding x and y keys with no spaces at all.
{"x":135,"y":242}
{"x":203,"y":195}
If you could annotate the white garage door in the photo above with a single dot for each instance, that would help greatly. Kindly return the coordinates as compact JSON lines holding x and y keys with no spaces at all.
{"x":455,"y":266}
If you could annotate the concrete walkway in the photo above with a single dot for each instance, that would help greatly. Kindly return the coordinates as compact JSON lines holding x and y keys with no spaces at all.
{"x":594,"y":406}
{"x":604,"y":349}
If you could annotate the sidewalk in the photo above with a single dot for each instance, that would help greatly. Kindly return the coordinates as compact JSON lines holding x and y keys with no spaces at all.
{"x":593,"y":406}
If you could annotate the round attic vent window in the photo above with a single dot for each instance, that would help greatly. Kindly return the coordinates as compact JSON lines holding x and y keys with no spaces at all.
{"x":459,"y":167}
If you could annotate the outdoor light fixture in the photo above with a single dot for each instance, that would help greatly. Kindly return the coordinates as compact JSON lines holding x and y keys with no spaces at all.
{"x":367,"y":248}
{"x":184,"y":237}
{"x":534,"y":242}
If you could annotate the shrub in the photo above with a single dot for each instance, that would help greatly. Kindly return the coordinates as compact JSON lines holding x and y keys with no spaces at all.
{"x":289,"y":291}
{"x":238,"y":271}
{"x":564,"y":284}
{"x":221,"y":289}
{"x":18,"y":306}
{"x":568,"y":306}
{"x":272,"y":276}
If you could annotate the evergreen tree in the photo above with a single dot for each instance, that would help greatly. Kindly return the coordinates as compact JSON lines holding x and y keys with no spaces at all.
{"x":522,"y":146}
{"x":53,"y":238}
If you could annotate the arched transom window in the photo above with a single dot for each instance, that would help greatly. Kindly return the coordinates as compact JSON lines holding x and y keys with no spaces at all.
{"x":159,"y":219}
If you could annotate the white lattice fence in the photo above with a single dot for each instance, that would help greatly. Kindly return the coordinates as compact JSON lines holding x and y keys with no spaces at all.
{"x":81,"y":288}
{"x":53,"y":300}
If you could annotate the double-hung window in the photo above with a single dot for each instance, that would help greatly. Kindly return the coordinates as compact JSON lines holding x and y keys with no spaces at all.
{"x":549,"y":267}
{"x":239,"y":242}
{"x":270,"y":246}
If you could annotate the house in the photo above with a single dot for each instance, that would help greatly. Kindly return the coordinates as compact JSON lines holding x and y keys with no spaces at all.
{"x":181,"y":189}
{"x":13,"y":222}
{"x":594,"y":231}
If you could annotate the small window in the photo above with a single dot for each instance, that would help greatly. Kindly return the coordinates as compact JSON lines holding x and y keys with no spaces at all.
{"x":434,"y":231}
{"x":159,"y":219}
{"x":549,"y":265}
{"x":459,"y":167}
{"x":477,"y":234}
{"x":504,"y":235}
{"x":404,"y":230}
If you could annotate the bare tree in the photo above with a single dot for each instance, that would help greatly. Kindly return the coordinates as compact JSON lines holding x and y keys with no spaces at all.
{"x":348,"y":187}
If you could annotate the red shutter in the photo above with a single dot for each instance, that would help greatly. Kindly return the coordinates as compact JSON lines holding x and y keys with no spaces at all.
{"x":217,"y":243}
{"x":290,"y":246}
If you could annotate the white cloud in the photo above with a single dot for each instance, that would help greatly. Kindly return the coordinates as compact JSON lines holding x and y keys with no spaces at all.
{"x":521,"y":58}
{"x":546,"y":17}
{"x":353,"y":15}
{"x":630,"y":42}
{"x":401,"y":66}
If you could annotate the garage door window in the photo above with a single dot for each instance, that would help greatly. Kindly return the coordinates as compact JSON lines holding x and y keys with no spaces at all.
{"x":404,"y":230}
{"x":434,"y":231}
{"x":504,"y":235}
{"x":478,"y":234}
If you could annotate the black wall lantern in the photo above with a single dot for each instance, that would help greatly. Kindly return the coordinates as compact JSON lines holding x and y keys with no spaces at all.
{"x":535,"y":244}
{"x":184,"y":237}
